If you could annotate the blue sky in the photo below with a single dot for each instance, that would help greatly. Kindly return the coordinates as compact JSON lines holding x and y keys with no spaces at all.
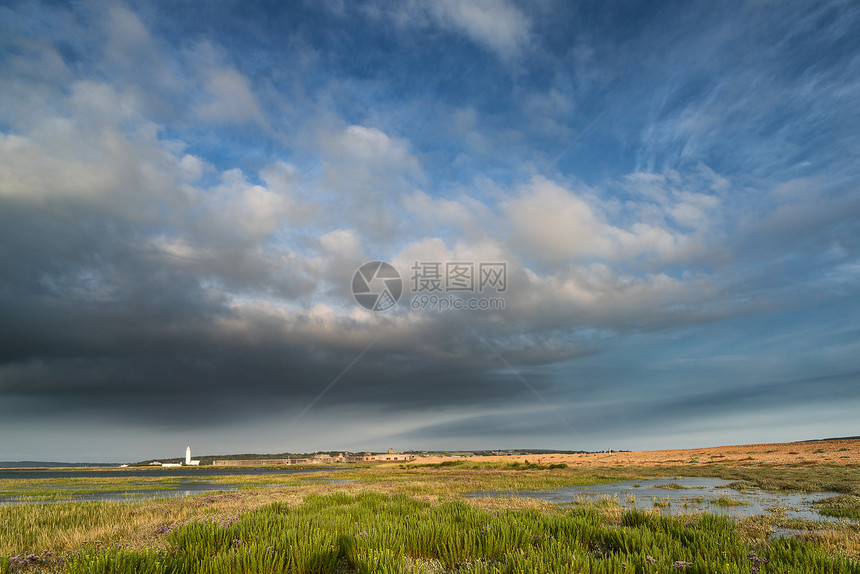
{"x":187,"y":189}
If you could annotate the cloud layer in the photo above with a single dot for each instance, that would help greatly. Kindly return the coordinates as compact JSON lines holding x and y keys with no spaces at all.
{"x":183,"y":203}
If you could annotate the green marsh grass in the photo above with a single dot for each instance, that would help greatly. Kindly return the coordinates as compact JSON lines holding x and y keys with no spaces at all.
{"x":673,"y":486}
{"x":842,"y":506}
{"x":36,"y":527}
{"x":373,"y":532}
{"x":391,"y":519}
{"x":49,"y":488}
{"x":728,"y":501}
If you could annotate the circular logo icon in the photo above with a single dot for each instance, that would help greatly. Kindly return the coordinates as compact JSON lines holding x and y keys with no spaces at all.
{"x":377,"y":286}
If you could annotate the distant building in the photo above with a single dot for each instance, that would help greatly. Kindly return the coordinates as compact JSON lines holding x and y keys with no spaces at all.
{"x":316,"y":459}
{"x":390,"y":456}
{"x":255,"y":462}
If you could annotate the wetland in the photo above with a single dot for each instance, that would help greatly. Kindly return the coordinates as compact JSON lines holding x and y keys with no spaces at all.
{"x":428,"y":518}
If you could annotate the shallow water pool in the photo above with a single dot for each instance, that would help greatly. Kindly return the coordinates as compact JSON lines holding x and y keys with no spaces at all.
{"x":684,"y":496}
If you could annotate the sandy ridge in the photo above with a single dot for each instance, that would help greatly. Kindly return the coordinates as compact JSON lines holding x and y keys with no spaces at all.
{"x":841,"y":452}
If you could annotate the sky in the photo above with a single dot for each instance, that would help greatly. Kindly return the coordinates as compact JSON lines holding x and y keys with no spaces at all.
{"x":668,"y":193}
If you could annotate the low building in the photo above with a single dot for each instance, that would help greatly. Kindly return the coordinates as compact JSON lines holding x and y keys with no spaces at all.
{"x":255,"y":462}
{"x":317,"y":459}
{"x":390,"y":456}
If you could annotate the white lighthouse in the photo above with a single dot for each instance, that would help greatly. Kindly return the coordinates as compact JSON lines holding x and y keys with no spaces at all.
{"x":188,"y":460}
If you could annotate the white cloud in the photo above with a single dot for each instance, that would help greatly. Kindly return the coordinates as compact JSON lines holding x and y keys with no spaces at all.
{"x":370,"y":146}
{"x":496,"y":25}
{"x":366,"y":169}
{"x":95,"y":146}
{"x":191,"y":168}
{"x":667,"y":219}
{"x":466,"y":214}
{"x":137,"y":62}
{"x":340,"y":253}
{"x":552,"y":223}
{"x":229,"y":97}
{"x":690,"y":202}
{"x":238,"y":205}
{"x":226,"y":94}
{"x":180,"y":248}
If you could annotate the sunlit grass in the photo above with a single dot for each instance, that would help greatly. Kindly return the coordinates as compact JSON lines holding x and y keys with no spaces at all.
{"x":374,"y":532}
{"x":34,"y":528}
{"x":842,"y":506}
{"x":324,"y":522}
{"x":673,"y":486}
{"x":54,"y":487}
{"x":728,"y":501}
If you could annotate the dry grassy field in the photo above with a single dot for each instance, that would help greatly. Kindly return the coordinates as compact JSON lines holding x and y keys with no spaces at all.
{"x":830,"y":452}
{"x":421,"y":517}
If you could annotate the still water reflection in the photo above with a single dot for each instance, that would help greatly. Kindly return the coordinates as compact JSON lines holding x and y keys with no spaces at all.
{"x":685,"y":496}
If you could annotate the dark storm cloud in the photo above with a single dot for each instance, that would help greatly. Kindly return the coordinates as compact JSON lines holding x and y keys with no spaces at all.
{"x":95,"y":321}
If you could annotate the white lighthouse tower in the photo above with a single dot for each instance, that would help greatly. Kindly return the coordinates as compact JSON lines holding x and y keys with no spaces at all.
{"x":188,"y":460}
